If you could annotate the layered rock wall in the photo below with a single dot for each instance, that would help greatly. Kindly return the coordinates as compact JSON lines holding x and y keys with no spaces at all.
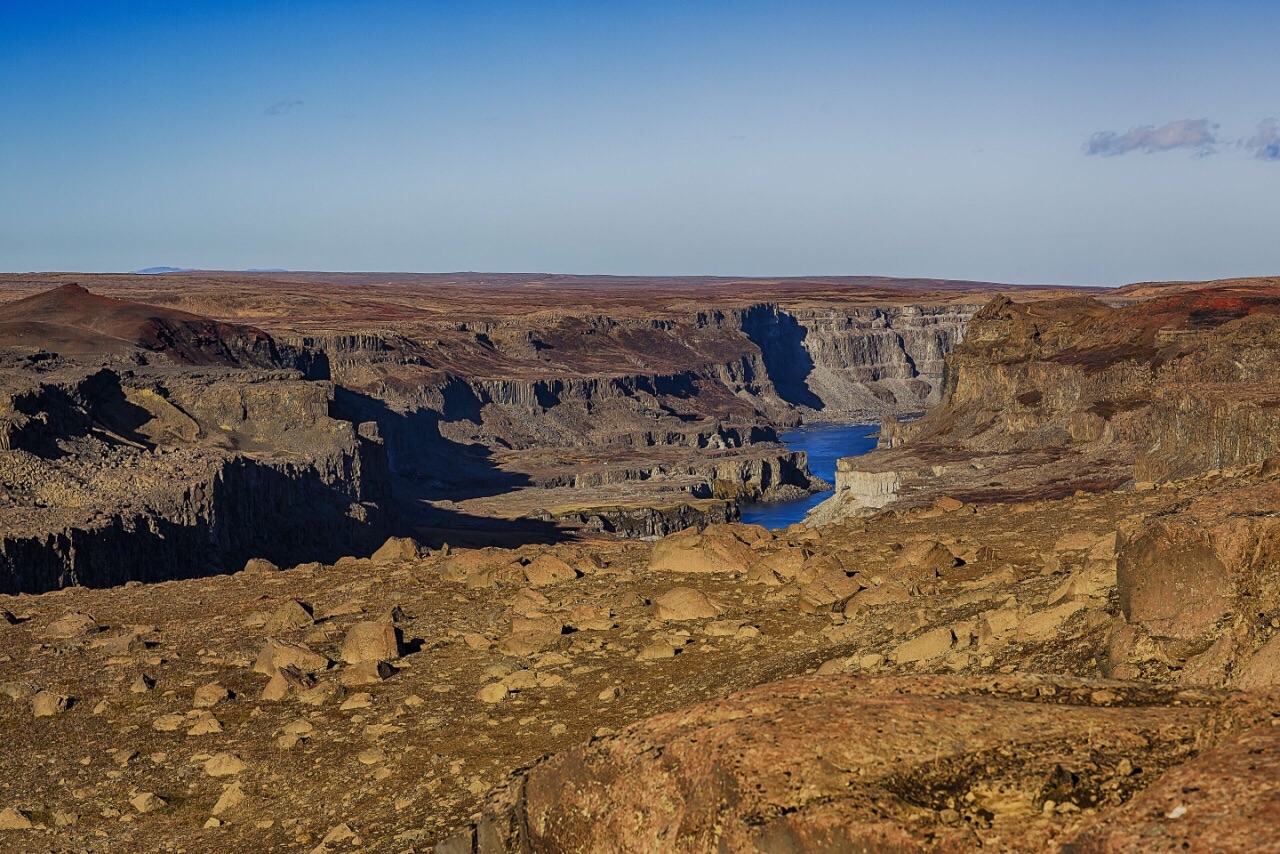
{"x":169,"y":477}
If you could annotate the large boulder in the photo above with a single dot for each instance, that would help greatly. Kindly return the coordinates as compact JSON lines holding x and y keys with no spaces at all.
{"x":278,"y":655}
{"x":1172,"y":581}
{"x":717,"y":550}
{"x":397,"y":550}
{"x":685,"y":603}
{"x":371,"y":641}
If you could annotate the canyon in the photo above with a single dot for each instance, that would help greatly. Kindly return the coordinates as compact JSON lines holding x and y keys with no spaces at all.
{"x":416,"y":407}
{"x":398,"y":563}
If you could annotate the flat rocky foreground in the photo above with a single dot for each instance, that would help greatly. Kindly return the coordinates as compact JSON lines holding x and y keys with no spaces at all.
{"x":383,"y":704}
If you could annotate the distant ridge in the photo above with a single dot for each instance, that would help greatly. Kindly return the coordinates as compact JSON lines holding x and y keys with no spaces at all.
{"x":70,"y":320}
{"x":151,"y":271}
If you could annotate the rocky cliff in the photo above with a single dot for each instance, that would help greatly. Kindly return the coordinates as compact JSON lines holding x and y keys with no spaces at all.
{"x":584,"y":401}
{"x":105,"y":479}
{"x":231,"y":443}
{"x":1075,"y":393}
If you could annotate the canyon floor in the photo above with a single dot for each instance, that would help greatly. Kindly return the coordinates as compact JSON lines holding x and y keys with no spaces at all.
{"x":1042,"y":617}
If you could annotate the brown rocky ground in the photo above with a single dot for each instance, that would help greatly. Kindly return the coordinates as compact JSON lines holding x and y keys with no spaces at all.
{"x":501,"y":663}
{"x":1061,"y":631}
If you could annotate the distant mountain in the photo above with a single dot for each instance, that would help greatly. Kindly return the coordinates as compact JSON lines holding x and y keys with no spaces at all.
{"x":265,"y":270}
{"x":150,"y":271}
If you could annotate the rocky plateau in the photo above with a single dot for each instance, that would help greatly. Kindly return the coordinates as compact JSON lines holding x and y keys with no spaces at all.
{"x":450,"y":564}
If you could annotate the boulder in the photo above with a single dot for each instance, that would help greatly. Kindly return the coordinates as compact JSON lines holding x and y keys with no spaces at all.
{"x":835,"y":763}
{"x":233,"y":797}
{"x":590,"y":618}
{"x":1171,"y":580}
{"x":397,"y":550}
{"x":532,"y":634}
{"x":207,"y":696}
{"x":1224,"y":799}
{"x":548,"y":569}
{"x":461,"y":565}
{"x":829,"y":592}
{"x":927,"y":646}
{"x":927,"y":556}
{"x":72,"y":625}
{"x":368,"y":672}
{"x":718,"y":551}
{"x":1047,"y":624}
{"x":685,"y":603}
{"x":290,"y":617}
{"x":224,"y":765}
{"x":278,"y":654}
{"x":1262,"y":669}
{"x":888,"y":593}
{"x":46,"y":704}
{"x":371,"y":641}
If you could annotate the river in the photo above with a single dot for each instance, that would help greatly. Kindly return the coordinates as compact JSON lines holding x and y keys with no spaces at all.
{"x":825,"y":443}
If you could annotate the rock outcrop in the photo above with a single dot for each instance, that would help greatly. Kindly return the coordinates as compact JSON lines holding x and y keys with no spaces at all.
{"x":847,"y":763}
{"x":169,"y":446}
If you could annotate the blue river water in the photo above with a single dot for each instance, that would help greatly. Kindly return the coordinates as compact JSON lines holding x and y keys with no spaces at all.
{"x":825,"y":443}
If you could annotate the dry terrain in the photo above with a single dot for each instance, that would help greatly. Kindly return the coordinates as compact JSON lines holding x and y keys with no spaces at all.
{"x":1042,"y":617}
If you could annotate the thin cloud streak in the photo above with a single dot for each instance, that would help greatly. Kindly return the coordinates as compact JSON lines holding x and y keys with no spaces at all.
{"x":281,"y":107}
{"x":1198,"y":135}
{"x":1265,"y":143}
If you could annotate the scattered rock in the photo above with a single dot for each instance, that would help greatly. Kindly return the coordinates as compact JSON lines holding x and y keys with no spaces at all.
{"x":12,"y":819}
{"x":277,"y":655}
{"x":397,"y":550}
{"x":290,"y":617}
{"x":927,"y":555}
{"x":494,"y":692}
{"x":224,"y":765}
{"x":321,"y":694}
{"x":371,"y":641}
{"x":685,"y":603}
{"x":657,"y":652}
{"x":168,"y":723}
{"x":233,"y":797}
{"x":532,"y":634}
{"x":72,"y":625}
{"x":277,"y":689}
{"x":366,"y":673}
{"x":145,"y":802}
{"x":590,"y":618}
{"x":829,"y":592}
{"x":927,"y":646}
{"x":1046,"y":624}
{"x":208,"y":696}
{"x":548,"y":569}
{"x":46,"y":704}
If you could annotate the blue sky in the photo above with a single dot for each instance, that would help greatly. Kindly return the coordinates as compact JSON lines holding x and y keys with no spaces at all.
{"x":799,"y":138}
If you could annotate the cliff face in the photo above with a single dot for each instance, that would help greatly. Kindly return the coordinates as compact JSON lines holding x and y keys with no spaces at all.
{"x":716,"y":380}
{"x":157,"y":443}
{"x":856,"y":364}
{"x":1165,"y":389}
{"x":107,"y":478}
